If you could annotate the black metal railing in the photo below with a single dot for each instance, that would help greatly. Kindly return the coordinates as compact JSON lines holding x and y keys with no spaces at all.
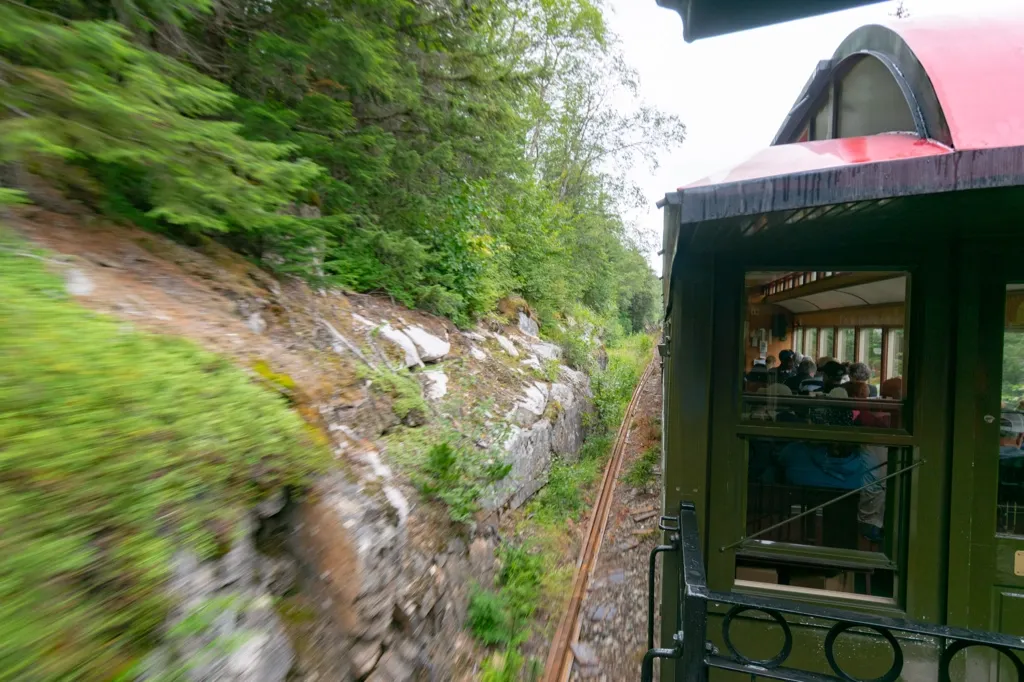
{"x":695,"y":655}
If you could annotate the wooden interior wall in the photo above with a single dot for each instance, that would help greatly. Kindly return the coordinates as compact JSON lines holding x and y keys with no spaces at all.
{"x":760,"y":316}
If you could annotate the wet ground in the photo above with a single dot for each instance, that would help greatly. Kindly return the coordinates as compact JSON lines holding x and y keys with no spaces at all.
{"x":613,"y":632}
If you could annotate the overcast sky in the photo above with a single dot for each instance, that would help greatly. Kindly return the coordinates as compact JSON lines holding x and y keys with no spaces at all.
{"x":732,"y":92}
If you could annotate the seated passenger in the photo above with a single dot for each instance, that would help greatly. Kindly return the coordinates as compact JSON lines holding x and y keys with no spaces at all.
{"x":859,"y":391}
{"x":892,"y":389}
{"x":804,"y":374}
{"x":756,"y":378}
{"x":845,"y":466}
{"x":822,"y":361}
{"x":860,"y":372}
{"x":832,"y":376}
{"x":786,"y":368}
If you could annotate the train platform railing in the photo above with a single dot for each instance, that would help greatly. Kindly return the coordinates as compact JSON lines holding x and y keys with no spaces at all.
{"x":695,"y":655}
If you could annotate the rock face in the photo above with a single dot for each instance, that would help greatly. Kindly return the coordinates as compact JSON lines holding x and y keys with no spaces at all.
{"x":506,"y":345}
{"x":549,"y":421}
{"x":437,"y":384}
{"x":408,"y":346}
{"x":241,"y":638}
{"x":528,"y":325}
{"x":431,"y":348}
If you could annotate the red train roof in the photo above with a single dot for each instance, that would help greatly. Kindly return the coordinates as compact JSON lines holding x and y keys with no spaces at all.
{"x":976,"y":66}
{"x":804,"y":157}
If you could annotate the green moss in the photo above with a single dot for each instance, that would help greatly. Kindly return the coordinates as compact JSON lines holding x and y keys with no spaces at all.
{"x":403,"y":389}
{"x":118,"y":447}
{"x":281,"y":381}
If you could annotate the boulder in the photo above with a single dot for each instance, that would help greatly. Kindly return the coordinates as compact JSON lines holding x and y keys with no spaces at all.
{"x":78,"y":283}
{"x":506,"y":345}
{"x":528,"y":325}
{"x":546,"y":351}
{"x":569,"y":430}
{"x":532,"y":362}
{"x":477,"y":354}
{"x":431,"y":348}
{"x":437,"y":384}
{"x":400,"y":339}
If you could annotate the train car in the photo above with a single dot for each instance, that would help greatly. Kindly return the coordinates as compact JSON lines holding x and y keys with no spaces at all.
{"x":843,"y":372}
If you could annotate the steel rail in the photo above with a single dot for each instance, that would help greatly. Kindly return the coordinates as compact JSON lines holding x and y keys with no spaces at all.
{"x":560,"y":656}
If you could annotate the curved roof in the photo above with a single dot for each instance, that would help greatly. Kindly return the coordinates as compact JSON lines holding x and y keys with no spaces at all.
{"x":976,"y":66}
{"x":803,"y":157}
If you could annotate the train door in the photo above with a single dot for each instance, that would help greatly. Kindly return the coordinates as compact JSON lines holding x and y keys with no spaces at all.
{"x":986,"y":560}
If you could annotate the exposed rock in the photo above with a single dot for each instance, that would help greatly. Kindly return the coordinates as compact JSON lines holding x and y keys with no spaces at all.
{"x":569,"y":430}
{"x":362,"y":321}
{"x":546,"y":351}
{"x":272,"y":505}
{"x":530,"y":407}
{"x":239,"y":611}
{"x":400,"y":339}
{"x":529,"y":453}
{"x":527,"y":324}
{"x":78,"y":283}
{"x":365,"y":656}
{"x":506,"y":345}
{"x":431,"y":348}
{"x":437,"y":384}
{"x":475,"y":336}
{"x":532,"y":362}
{"x":477,"y":354}
{"x":256,"y":323}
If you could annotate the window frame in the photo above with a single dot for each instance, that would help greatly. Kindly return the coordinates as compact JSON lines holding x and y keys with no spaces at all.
{"x":727,"y":461}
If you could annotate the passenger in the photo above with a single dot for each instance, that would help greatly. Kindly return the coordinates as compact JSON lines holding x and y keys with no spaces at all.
{"x":892,"y":389}
{"x":832,"y":374}
{"x":756,"y":378}
{"x":845,"y":466}
{"x":1011,"y":435}
{"x":805,"y":373}
{"x":780,"y":413}
{"x":858,"y":390}
{"x":786,"y":368}
{"x":822,"y":361}
{"x":770,"y":362}
{"x":860,"y":372}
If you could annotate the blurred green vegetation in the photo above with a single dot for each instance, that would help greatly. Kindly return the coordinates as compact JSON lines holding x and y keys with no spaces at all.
{"x":117,"y":447}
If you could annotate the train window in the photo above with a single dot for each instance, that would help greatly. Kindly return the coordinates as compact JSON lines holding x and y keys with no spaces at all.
{"x":823,"y":515}
{"x":843,"y":363}
{"x":1010,"y":505}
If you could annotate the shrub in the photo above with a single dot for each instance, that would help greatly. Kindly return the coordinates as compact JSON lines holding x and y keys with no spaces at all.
{"x":641,"y":471}
{"x":457,"y":476}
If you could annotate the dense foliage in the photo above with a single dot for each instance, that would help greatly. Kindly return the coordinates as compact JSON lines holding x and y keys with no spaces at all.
{"x":455,"y":152}
{"x":88,"y":533}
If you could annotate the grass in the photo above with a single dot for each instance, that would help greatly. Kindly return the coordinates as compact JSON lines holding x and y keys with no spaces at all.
{"x":641,"y":471}
{"x":118,"y":448}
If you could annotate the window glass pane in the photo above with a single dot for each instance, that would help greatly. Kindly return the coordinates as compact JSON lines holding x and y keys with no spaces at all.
{"x":831,"y":316}
{"x":787,"y":480}
{"x":827,"y":345}
{"x":845,"y":344}
{"x":874,"y":352}
{"x":811,"y":343}
{"x":894,"y":351}
{"x":871,"y":102}
{"x":1010,"y":516}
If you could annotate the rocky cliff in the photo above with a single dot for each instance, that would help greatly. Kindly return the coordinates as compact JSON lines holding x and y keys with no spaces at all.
{"x":366,"y":575}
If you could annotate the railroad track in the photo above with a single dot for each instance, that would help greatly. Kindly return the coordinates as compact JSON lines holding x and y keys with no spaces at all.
{"x":560,"y":656}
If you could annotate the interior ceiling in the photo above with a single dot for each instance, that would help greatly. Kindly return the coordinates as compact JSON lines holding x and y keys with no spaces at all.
{"x":893,"y":290}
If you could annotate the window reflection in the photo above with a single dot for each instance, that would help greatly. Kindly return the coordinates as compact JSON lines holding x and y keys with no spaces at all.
{"x":825,"y":348}
{"x":1010,"y":506}
{"x":794,"y":496}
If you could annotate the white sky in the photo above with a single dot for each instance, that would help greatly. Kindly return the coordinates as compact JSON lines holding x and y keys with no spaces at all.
{"x":733,"y":92}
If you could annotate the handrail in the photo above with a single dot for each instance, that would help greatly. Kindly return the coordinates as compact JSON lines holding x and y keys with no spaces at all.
{"x":695,"y":655}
